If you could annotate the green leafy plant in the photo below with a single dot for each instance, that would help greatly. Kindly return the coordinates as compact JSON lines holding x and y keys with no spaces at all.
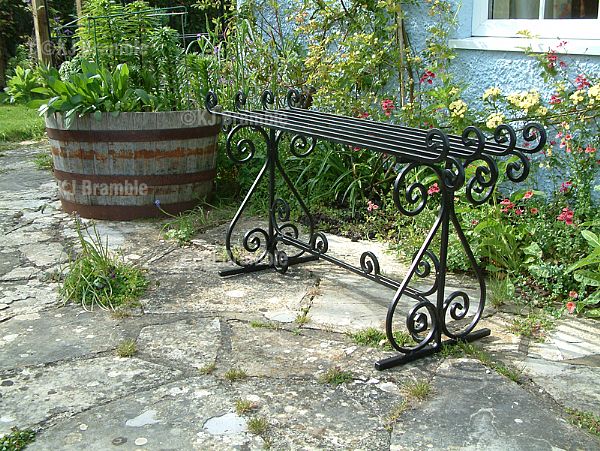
{"x":98,"y":278}
{"x":17,"y":439}
{"x":243,"y":406}
{"x":587,"y":272}
{"x":585,"y":420}
{"x":20,"y":88}
{"x":336,"y":376}
{"x":258,"y":425}
{"x":235,"y":374}
{"x":127,"y":348}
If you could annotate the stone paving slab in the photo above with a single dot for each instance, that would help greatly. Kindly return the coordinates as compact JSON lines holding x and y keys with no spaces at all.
{"x":59,"y":373}
{"x":473,"y":408}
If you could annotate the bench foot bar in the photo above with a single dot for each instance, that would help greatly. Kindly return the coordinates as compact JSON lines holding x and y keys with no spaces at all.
{"x":265,"y":266}
{"x":391,"y":362}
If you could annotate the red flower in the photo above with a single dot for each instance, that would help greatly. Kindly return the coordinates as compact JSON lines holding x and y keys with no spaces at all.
{"x":555,"y":100}
{"x":565,"y":186}
{"x":388,"y":106}
{"x":590,"y":149}
{"x":433,"y":189}
{"x":519,"y":211}
{"x":581,"y":82}
{"x":427,"y":76}
{"x":534,"y":211}
{"x":528,"y":195}
{"x":571,"y":306}
{"x":363,"y":115}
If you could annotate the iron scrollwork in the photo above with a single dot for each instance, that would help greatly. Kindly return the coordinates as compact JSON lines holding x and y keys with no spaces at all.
{"x":468,"y":161}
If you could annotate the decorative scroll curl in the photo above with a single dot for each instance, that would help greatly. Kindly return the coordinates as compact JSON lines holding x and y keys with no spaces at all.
{"x":505,"y":135}
{"x":240,"y":100}
{"x":245,"y":147}
{"x":437,"y":142}
{"x":211,"y":101}
{"x":300,"y":147}
{"x":294,"y":98}
{"x":281,"y":214}
{"x":319,"y":243}
{"x":454,"y":174}
{"x":281,"y":261}
{"x":518,"y":170}
{"x":458,"y":304}
{"x":414,"y":194}
{"x":253,"y":242}
{"x":369,"y":263}
{"x":481,"y":185}
{"x":423,"y":269}
{"x":267,"y":99}
{"x":473,"y":138}
{"x":535,"y":132}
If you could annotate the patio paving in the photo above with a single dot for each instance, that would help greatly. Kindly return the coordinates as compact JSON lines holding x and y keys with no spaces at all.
{"x":59,"y":373}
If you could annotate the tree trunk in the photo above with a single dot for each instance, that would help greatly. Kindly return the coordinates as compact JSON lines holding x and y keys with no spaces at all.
{"x":3,"y":58}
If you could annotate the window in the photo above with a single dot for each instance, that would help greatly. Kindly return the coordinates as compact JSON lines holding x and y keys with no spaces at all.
{"x":552,"y":19}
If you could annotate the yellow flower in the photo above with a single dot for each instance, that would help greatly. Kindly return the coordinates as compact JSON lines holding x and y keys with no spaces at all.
{"x":491,"y":92}
{"x":577,"y":97}
{"x":524,"y":100}
{"x":594,"y":94}
{"x":543,"y":111}
{"x":494,"y":120}
{"x":458,"y":108}
{"x":453,"y":91}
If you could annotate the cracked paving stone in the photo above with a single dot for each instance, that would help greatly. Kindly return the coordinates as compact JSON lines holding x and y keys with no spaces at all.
{"x":56,"y":335}
{"x":192,"y":342}
{"x":47,"y":394}
{"x":473,"y":409}
{"x":199,"y":413}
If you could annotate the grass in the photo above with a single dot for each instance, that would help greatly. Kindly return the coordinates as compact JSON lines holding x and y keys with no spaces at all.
{"x":302,"y":318}
{"x":468,"y":349}
{"x":265,"y":325}
{"x":395,"y":414}
{"x":534,"y":325}
{"x":258,"y":425}
{"x":501,"y":291}
{"x":585,"y":420}
{"x":376,"y":339}
{"x":418,"y":390}
{"x":97,"y":278}
{"x":208,"y":369}
{"x":335,"y":376}
{"x":19,"y":123}
{"x":127,"y":348}
{"x":243,"y":406}
{"x":43,"y":161}
{"x":17,"y":439}
{"x":183,"y":227}
{"x":235,"y":374}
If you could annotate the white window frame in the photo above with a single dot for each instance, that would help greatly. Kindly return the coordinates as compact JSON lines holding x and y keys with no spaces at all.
{"x":585,"y":29}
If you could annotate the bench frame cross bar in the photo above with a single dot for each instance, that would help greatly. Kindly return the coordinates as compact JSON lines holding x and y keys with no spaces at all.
{"x":468,"y":161}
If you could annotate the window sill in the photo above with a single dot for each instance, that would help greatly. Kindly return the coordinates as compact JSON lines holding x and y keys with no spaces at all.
{"x":573,"y":46}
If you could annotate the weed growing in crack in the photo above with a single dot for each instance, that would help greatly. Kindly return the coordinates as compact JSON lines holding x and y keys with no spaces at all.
{"x":243,"y":406}
{"x":258,"y":425}
{"x":376,"y":339}
{"x":43,"y":161}
{"x":395,"y":414}
{"x":418,"y":390}
{"x":335,"y":376}
{"x":98,"y":278}
{"x":265,"y":325}
{"x":208,"y":369}
{"x":127,"y":348}
{"x":585,"y":420}
{"x":302,"y":318}
{"x":235,"y":374}
{"x":534,"y":325}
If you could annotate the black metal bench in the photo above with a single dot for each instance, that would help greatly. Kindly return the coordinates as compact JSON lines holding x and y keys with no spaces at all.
{"x":446,"y":156}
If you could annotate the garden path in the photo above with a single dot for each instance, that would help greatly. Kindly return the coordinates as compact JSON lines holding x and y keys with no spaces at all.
{"x":59,"y":373}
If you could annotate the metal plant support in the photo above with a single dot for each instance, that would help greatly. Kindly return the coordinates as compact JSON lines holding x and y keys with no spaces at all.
{"x":447,"y":158}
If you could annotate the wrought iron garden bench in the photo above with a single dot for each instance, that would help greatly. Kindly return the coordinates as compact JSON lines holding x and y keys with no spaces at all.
{"x":469,"y":161}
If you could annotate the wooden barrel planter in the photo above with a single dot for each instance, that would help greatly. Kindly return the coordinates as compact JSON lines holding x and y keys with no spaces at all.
{"x":118,"y":167}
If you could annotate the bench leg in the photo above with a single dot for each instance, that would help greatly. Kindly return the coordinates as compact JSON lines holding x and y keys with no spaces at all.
{"x":391,"y":362}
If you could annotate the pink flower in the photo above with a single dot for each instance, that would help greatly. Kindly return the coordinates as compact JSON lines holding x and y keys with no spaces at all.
{"x":590,"y":149}
{"x":534,"y":211}
{"x":519,"y":211}
{"x":363,"y":115}
{"x":555,"y":100}
{"x":528,"y":195}
{"x":573,"y":294}
{"x":571,"y":306}
{"x":474,"y":222}
{"x":565,"y":186}
{"x":581,"y":82}
{"x":388,"y":106}
{"x":433,"y":189}
{"x":371,"y":206}
{"x":566,"y":216}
